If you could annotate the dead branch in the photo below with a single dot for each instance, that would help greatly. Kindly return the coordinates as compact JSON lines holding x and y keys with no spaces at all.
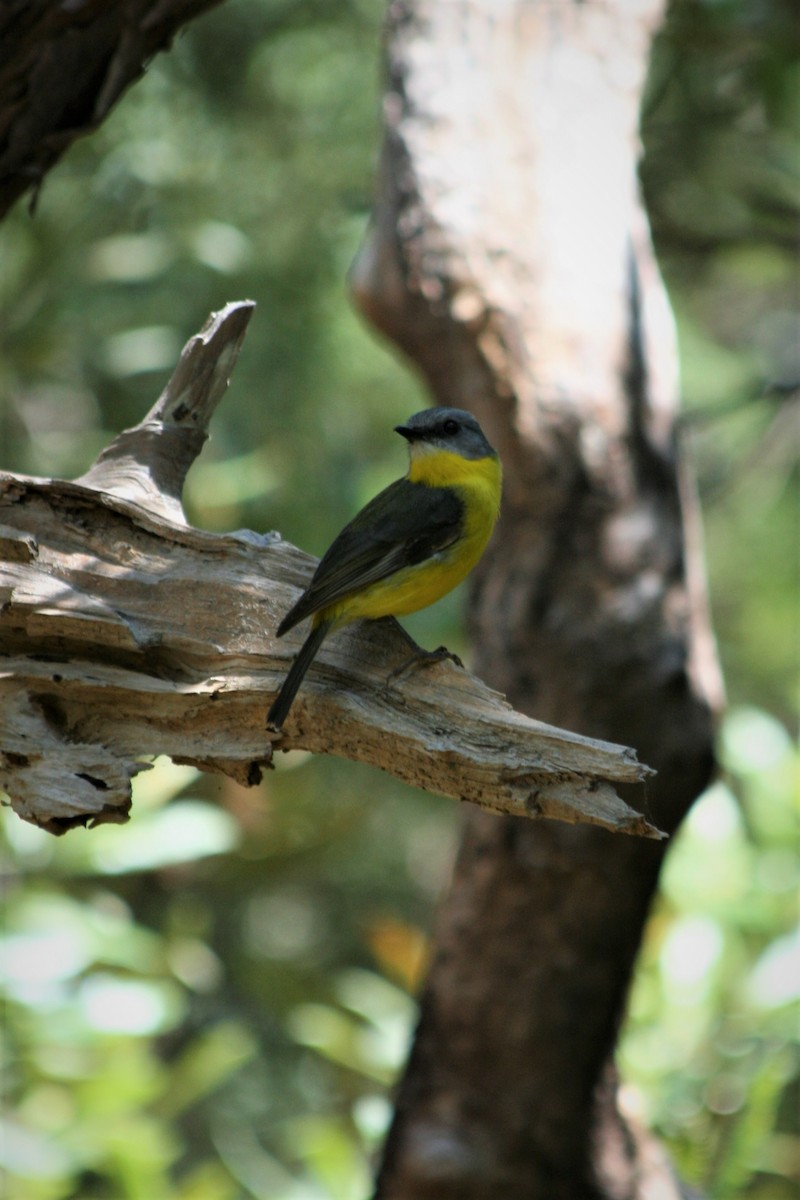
{"x":125,"y":633}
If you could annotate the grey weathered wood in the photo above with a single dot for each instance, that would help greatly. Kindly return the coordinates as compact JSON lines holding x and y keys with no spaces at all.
{"x":125,"y":633}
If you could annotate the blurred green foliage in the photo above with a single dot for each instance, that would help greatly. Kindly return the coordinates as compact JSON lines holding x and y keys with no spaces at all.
{"x":212,"y":1003}
{"x":721,"y":177}
{"x":712,"y":1035}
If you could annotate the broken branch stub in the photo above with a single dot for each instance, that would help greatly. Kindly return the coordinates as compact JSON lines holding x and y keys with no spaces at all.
{"x":125,"y":634}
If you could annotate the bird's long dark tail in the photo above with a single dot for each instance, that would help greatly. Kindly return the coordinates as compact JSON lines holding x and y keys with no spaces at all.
{"x":283,"y":701}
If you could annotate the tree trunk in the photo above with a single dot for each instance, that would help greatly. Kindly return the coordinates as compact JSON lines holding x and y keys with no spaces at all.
{"x":63,"y":67}
{"x":510,"y":258}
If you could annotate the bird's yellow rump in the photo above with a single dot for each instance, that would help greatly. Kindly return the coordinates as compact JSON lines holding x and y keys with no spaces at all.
{"x":410,"y":545}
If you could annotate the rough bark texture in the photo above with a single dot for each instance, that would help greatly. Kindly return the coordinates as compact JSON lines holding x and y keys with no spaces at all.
{"x":509,"y":257}
{"x":123,"y":633}
{"x":63,"y":67}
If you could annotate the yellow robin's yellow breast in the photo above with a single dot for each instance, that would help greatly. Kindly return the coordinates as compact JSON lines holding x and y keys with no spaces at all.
{"x":477,"y":482}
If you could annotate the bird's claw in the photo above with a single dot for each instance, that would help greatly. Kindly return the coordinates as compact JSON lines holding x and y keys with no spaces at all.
{"x":423,"y":658}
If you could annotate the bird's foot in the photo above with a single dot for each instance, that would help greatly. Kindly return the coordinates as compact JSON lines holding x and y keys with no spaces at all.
{"x":423,"y":658}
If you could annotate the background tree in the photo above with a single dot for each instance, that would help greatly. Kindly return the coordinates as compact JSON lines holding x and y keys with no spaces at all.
{"x":261,"y":1022}
{"x":510,"y":259}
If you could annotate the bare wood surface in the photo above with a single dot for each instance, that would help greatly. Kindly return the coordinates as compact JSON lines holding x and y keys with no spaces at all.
{"x":62,"y":69}
{"x":124,"y":634}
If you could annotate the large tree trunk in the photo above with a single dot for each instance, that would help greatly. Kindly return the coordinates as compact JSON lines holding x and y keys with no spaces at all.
{"x":510,"y":258}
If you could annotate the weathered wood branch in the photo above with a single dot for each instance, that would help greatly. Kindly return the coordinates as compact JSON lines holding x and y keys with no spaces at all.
{"x":125,"y":633}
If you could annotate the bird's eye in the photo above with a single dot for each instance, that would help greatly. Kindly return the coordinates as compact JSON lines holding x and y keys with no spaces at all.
{"x":450,"y":427}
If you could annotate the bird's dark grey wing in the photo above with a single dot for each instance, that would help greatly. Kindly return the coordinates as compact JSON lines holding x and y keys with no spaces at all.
{"x":403,"y":525}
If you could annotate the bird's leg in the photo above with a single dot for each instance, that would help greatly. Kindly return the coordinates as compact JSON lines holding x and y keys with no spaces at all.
{"x":419,"y":657}
{"x":424,"y":658}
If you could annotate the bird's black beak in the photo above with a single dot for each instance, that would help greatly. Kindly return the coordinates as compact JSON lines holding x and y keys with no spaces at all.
{"x":405,"y":431}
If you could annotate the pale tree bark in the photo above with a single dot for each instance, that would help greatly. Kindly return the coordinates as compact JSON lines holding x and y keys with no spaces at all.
{"x":510,"y":258}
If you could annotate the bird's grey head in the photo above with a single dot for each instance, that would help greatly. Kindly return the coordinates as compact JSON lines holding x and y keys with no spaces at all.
{"x":449,"y":429}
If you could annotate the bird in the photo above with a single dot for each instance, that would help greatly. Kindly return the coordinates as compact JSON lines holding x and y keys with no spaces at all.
{"x":409,"y":545}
